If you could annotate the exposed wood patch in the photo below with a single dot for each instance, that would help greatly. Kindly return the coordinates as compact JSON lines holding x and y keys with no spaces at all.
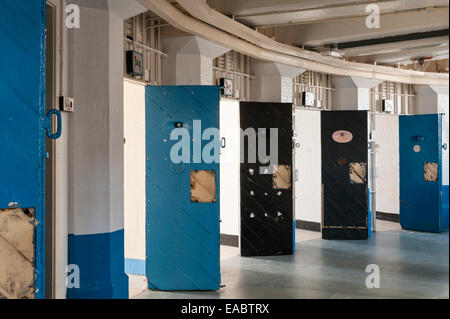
{"x":282,"y":177}
{"x":17,"y":268}
{"x":431,"y":172}
{"x":358,"y":173}
{"x":203,"y":186}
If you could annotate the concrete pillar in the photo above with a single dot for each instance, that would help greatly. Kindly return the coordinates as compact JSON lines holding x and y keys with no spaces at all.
{"x":96,"y":207}
{"x":190,"y":59}
{"x":273,"y":81}
{"x":352,"y":93}
{"x":434,"y":99}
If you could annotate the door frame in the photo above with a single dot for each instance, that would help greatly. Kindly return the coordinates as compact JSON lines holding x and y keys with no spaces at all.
{"x":53,"y":7}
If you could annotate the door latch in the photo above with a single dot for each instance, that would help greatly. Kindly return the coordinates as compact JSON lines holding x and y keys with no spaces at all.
{"x":224,"y":142}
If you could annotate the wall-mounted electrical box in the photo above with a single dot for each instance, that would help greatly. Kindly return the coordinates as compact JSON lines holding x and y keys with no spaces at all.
{"x":226,"y":86}
{"x":66,"y":104}
{"x":308,"y":99}
{"x":135,"y":63}
{"x":387,"y":106}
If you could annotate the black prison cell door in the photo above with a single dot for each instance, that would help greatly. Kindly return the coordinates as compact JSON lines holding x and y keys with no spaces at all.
{"x":345,"y":175}
{"x":266,"y":189}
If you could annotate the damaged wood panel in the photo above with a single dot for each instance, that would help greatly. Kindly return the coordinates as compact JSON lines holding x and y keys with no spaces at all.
{"x":358,"y":173}
{"x":266,"y":192}
{"x":344,"y":175}
{"x":431,"y":172}
{"x":203,"y":186}
{"x":17,"y":268}
{"x":282,"y":177}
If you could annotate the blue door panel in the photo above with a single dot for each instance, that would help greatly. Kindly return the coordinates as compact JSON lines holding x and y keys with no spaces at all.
{"x":183,"y":237}
{"x":421,"y":199}
{"x":22,"y":115}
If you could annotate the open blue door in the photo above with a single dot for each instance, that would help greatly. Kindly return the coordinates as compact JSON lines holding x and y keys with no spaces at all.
{"x":423,"y":200}
{"x":22,"y":145}
{"x":182,"y":188}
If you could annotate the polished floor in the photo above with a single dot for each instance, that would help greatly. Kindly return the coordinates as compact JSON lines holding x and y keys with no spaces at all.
{"x":412,"y":265}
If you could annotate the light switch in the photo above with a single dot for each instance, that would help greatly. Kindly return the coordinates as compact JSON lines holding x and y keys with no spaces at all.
{"x":66,"y":104}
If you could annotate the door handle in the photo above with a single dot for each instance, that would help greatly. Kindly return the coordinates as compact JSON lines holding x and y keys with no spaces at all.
{"x":224,"y":142}
{"x":49,"y":130}
{"x":444,"y":146}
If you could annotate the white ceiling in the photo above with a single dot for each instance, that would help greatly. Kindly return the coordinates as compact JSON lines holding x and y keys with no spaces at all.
{"x":323,"y":23}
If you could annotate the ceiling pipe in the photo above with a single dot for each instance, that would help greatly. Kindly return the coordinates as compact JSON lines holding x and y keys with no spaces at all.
{"x":202,"y":11}
{"x":267,"y":50}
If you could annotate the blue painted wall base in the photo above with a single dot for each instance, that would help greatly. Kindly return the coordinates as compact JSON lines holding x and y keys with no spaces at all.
{"x":135,"y":266}
{"x":100,"y":258}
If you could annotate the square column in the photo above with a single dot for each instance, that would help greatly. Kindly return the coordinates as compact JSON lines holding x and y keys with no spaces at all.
{"x":352,"y":93}
{"x":96,"y":149}
{"x":190,"y":59}
{"x":273,"y":82}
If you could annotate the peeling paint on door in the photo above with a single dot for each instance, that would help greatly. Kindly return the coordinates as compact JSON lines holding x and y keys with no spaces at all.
{"x":431,"y":172}
{"x":358,"y":173}
{"x":282,"y":177}
{"x":203,"y":186}
{"x":17,"y":267}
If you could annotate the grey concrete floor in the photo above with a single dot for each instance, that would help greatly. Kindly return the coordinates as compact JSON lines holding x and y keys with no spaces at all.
{"x":412,"y":265}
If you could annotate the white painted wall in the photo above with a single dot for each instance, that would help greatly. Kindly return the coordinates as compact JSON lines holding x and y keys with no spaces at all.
{"x":134,"y":161}
{"x":308,"y":159}
{"x":387,"y":164}
{"x":230,"y":168}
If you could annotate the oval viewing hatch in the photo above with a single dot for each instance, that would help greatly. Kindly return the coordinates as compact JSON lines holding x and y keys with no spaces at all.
{"x":342,"y":137}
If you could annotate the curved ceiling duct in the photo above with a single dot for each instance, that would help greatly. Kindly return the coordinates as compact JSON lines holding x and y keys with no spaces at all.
{"x":261,"y":47}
